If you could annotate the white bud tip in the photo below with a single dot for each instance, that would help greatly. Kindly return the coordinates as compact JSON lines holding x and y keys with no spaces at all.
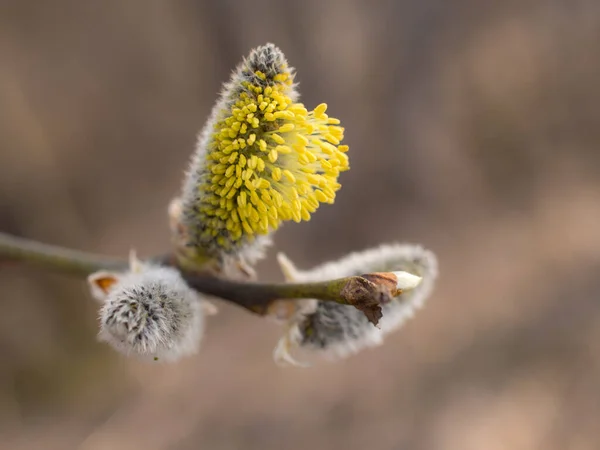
{"x":406,"y":280}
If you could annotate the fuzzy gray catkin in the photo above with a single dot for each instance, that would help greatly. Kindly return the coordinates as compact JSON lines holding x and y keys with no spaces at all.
{"x":150,"y":312}
{"x":339,"y":330}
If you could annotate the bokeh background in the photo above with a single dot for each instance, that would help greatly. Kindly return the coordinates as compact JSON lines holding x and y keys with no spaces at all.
{"x":474,"y":129}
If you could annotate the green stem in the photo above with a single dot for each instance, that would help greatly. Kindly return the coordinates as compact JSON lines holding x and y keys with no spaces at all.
{"x":55,"y":258}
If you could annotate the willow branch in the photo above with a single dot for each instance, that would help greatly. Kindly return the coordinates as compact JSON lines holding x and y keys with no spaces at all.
{"x":365,"y":292}
{"x":257,"y":297}
{"x":55,"y":258}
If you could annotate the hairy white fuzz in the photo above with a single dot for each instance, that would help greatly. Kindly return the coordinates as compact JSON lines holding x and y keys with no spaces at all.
{"x":336,"y":330}
{"x":149,"y":312}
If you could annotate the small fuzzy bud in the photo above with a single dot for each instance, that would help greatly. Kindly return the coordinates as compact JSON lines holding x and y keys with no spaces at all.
{"x":149,"y":312}
{"x":337,"y":330}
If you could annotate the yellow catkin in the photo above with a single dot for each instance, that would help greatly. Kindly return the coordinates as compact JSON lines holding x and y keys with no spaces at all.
{"x":269,"y":159}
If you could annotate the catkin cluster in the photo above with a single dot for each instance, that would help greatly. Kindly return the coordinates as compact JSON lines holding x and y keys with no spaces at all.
{"x":261,"y":159}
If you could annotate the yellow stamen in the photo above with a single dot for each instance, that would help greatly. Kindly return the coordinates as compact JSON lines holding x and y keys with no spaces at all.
{"x":269,"y":159}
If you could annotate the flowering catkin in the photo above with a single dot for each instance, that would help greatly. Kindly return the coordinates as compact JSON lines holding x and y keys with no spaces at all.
{"x":340,"y":330}
{"x":261,"y":159}
{"x":149,"y":312}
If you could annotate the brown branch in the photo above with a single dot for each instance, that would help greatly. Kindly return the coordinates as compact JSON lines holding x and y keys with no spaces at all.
{"x":366,"y":292}
{"x":258,"y":297}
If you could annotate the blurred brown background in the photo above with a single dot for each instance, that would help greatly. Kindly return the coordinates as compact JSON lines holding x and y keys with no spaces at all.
{"x":473,"y":129}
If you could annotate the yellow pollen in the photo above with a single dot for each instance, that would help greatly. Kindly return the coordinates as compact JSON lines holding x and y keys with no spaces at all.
{"x":269,"y":160}
{"x":286,"y":128}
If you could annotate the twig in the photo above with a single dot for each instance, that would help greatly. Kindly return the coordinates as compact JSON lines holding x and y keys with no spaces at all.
{"x":257,"y":297}
{"x":55,"y":258}
{"x":365,"y":292}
